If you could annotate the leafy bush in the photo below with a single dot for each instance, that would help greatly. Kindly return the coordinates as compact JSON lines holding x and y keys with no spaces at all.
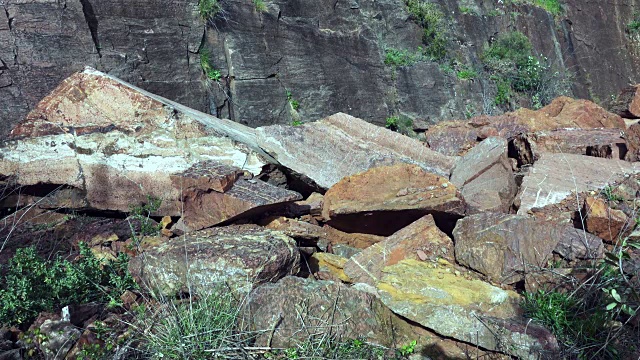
{"x":208,"y":8}
{"x":392,"y":123}
{"x":432,"y":20}
{"x":466,"y":74}
{"x":397,"y":57}
{"x":32,"y":284}
{"x":552,"y":6}
{"x":515,"y":69}
{"x":209,"y":70}
{"x":142,"y":214}
{"x":634,"y":25}
{"x":260,"y":5}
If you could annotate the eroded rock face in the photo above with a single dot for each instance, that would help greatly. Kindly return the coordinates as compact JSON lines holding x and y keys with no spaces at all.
{"x":341,"y":145}
{"x":503,"y":247}
{"x":556,"y":178}
{"x":235,"y":256}
{"x":627,"y":102}
{"x":457,"y":137}
{"x":114,"y":145}
{"x":421,"y":240}
{"x":293,"y":303}
{"x":385,"y":198}
{"x":468,"y":310}
{"x":485,"y":176}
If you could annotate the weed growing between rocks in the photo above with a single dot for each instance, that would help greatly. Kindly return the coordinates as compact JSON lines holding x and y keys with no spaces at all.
{"x":432,"y":20}
{"x":516,"y":71}
{"x":209,"y":70}
{"x":591,"y":320}
{"x":260,"y":5}
{"x":32,"y":284}
{"x":208,"y":8}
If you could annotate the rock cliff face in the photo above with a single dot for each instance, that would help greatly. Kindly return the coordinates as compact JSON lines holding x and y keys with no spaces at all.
{"x":328,"y":55}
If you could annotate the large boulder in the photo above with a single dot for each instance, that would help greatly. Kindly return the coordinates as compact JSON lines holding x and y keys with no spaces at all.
{"x":558,"y":178}
{"x":486,"y":177}
{"x":107,"y":146}
{"x":421,"y":240}
{"x":236,"y":256}
{"x":340,"y":145}
{"x":504,"y":247}
{"x":467,"y":310}
{"x":627,"y":103}
{"x":387,"y":198}
{"x":457,"y":137}
{"x":287,"y":312}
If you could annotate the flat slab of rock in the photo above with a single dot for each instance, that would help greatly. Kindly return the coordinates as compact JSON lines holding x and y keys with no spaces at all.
{"x":467,"y":310}
{"x":503,"y":247}
{"x":556,"y":177}
{"x":109,"y":146}
{"x":486,"y":177}
{"x":604,"y":143}
{"x":457,"y":137}
{"x":341,"y":145}
{"x":421,"y":240}
{"x":238,"y":256}
{"x":603,"y":221}
{"x":389,"y":198}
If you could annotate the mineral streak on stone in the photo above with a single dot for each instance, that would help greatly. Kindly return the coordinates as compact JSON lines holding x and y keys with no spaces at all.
{"x":341,"y":145}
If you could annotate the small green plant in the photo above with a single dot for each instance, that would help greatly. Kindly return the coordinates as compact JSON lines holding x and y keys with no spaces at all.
{"x":32,"y":284}
{"x":609,"y":193}
{"x":141,"y":215}
{"x":296,"y":123}
{"x":208,"y":8}
{"x":332,"y":348}
{"x":633,"y":26}
{"x":260,"y":5}
{"x":295,"y":105}
{"x":552,"y":6}
{"x":466,"y":74}
{"x":396,"y":57}
{"x":432,"y":20}
{"x":466,"y":10}
{"x":408,"y":349}
{"x":209,"y":70}
{"x":391,"y":123}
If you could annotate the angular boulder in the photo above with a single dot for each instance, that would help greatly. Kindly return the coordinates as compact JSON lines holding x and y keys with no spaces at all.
{"x":421,"y":240}
{"x":558,"y":177}
{"x":605,"y":222}
{"x":627,"y":103}
{"x":108,"y":146}
{"x":604,"y":143}
{"x":467,"y":310}
{"x":457,"y":137}
{"x":504,"y":247}
{"x":486,"y":177}
{"x":290,"y":311}
{"x":237,"y":256}
{"x":340,"y":145}
{"x":387,"y":198}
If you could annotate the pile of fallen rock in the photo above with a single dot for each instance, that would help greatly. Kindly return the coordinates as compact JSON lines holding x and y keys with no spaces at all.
{"x":404,"y":239}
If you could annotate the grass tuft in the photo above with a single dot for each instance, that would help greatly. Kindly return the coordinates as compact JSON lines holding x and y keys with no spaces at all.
{"x":208,"y":8}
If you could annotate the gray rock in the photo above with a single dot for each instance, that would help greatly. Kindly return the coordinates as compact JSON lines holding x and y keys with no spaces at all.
{"x":236,"y":256}
{"x":60,"y":336}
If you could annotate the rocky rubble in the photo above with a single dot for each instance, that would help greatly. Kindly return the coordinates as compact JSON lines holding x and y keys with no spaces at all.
{"x":401,"y":243}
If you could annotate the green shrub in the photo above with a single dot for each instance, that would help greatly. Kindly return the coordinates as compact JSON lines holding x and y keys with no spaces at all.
{"x":260,"y":5}
{"x":32,"y":285}
{"x":295,"y":105}
{"x":551,"y":6}
{"x":209,"y":70}
{"x":208,"y":8}
{"x":432,"y":20}
{"x":634,"y":25}
{"x":397,"y":57}
{"x":142,"y":214}
{"x":391,"y":123}
{"x":467,"y":74}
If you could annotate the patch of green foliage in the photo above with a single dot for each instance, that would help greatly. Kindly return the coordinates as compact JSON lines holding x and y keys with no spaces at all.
{"x":634,"y":25}
{"x":609,"y":193}
{"x":392,"y":123}
{"x":208,"y":8}
{"x":398,"y":57}
{"x":335,"y":349}
{"x":432,"y":20}
{"x":466,"y":10}
{"x":466,"y":74}
{"x":142,"y":215}
{"x":296,"y":123}
{"x":582,"y":318}
{"x":295,"y":105}
{"x":32,"y":284}
{"x":514,"y":68}
{"x":402,"y":124}
{"x":552,"y":6}
{"x":209,"y":70}
{"x":260,"y":5}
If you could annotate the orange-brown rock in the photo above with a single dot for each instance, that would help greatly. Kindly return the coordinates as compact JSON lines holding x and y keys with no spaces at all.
{"x":603,"y":221}
{"x":382,"y":200}
{"x":421,"y":240}
{"x":457,"y":137}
